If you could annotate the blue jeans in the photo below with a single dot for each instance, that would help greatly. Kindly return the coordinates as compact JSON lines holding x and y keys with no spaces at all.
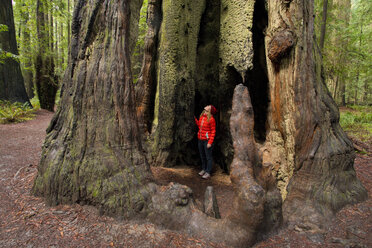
{"x":205,"y":155}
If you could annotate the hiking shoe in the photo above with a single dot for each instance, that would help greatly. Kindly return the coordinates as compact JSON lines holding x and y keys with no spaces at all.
{"x":201,"y":173}
{"x":206,"y":175}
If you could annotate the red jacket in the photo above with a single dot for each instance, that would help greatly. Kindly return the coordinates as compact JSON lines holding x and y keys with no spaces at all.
{"x":207,"y":129}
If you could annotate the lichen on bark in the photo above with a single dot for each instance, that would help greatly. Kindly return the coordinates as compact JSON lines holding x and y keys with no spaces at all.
{"x":236,"y":35}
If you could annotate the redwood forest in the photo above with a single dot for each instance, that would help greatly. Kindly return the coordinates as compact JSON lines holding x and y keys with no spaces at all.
{"x":185,"y":123}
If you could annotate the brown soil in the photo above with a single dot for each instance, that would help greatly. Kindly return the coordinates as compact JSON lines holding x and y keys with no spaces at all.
{"x":25,"y":220}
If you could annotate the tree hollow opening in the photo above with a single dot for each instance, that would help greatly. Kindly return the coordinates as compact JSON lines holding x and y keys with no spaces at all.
{"x":257,"y":79}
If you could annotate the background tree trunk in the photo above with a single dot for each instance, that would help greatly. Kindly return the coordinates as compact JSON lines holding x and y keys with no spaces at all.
{"x":340,"y":42}
{"x":68,"y":24}
{"x":25,"y":48}
{"x":61,"y":46}
{"x":12,"y":86}
{"x":45,"y":78}
{"x":323,"y":25}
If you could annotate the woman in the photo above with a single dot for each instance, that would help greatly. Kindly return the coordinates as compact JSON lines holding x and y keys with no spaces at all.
{"x":207,"y":131}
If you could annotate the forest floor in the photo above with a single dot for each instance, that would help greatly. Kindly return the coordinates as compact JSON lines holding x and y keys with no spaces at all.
{"x":26,"y":221}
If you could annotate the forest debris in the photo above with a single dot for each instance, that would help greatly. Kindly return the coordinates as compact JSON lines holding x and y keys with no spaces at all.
{"x":10,"y":230}
{"x":16,"y":175}
{"x":353,"y":231}
{"x":29,"y":214}
{"x":58,"y":212}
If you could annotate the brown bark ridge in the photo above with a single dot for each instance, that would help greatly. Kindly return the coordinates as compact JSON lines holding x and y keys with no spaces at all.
{"x":146,"y":84}
{"x":317,"y":160}
{"x":12,"y":86}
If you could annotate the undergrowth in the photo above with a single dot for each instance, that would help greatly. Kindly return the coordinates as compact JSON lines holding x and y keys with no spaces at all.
{"x":357,"y":121}
{"x":13,"y":112}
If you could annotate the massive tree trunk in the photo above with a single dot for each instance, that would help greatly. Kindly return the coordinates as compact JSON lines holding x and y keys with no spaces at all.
{"x":45,"y":78}
{"x":276,"y":116}
{"x":12,"y":86}
{"x":313,"y":155}
{"x":25,"y":47}
{"x":92,"y":152}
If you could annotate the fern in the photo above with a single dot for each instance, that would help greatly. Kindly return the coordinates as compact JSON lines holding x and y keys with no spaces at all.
{"x":15,"y":112}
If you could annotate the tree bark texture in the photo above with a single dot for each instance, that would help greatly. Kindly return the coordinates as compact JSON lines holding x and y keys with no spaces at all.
{"x":45,"y":78}
{"x":12,"y":86}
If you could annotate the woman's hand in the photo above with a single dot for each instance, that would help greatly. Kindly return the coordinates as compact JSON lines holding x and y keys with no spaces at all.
{"x":209,"y":145}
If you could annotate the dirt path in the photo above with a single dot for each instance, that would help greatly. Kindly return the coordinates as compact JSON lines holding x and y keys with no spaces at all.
{"x":25,"y":221}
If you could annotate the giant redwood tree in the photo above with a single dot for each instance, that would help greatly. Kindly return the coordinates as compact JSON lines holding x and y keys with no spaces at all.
{"x":12,"y":86}
{"x":288,"y":158}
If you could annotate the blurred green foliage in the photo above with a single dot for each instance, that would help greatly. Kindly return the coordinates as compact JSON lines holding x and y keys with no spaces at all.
{"x":357,"y":121}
